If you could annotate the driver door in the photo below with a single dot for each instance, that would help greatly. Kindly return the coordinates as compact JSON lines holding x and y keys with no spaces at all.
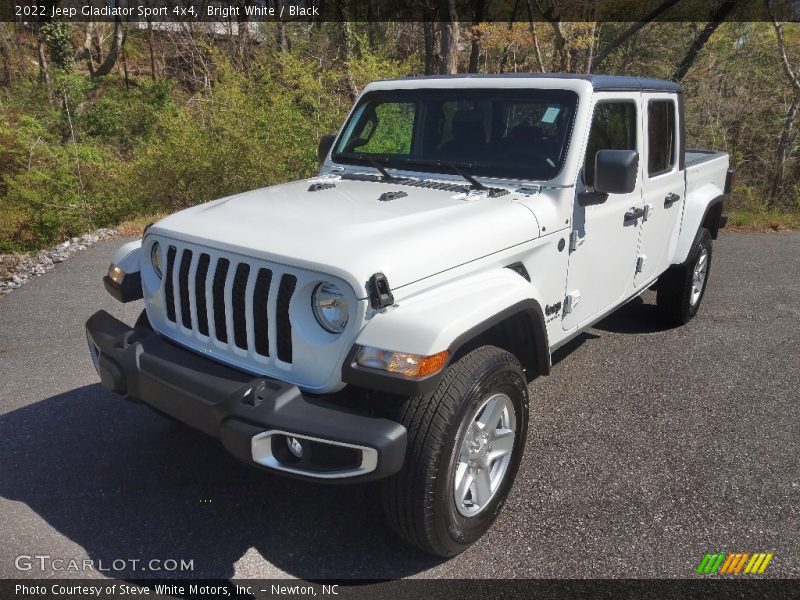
{"x":604,"y":240}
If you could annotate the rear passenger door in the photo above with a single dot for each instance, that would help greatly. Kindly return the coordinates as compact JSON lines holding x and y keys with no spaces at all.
{"x":663,"y":185}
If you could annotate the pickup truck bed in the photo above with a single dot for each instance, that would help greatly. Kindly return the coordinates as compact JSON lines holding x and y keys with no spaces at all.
{"x":714,"y":168}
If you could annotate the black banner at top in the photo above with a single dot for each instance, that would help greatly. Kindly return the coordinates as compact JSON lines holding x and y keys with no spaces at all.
{"x":464,"y":11}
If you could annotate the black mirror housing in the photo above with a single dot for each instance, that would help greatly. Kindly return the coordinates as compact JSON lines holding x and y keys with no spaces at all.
{"x":325,"y":143}
{"x":615,"y":171}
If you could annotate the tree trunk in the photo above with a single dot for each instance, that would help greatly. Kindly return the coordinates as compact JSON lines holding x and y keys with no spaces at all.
{"x":782,"y":154}
{"x":623,"y":37}
{"x":152,"y":51}
{"x":475,"y":51}
{"x":592,"y":44}
{"x":44,"y":74}
{"x":87,"y":48}
{"x":280,"y":33}
{"x":125,"y":66}
{"x":691,"y":55}
{"x":5,"y":56}
{"x":507,"y":47}
{"x":347,"y":47}
{"x":448,"y":40}
{"x":536,"y":49}
{"x":791,"y":114}
{"x":429,"y":33}
{"x":113,"y":53}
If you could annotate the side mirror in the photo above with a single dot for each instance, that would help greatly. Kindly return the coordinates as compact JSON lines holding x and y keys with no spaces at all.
{"x":325,"y":143}
{"x":615,"y":171}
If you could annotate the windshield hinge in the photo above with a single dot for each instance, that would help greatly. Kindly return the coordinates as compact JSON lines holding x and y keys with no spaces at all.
{"x":640,"y":260}
{"x":573,"y":241}
{"x":571,"y":301}
{"x":528,"y":190}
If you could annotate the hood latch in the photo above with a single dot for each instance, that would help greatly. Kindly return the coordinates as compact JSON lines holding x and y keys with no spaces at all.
{"x":380,"y":294}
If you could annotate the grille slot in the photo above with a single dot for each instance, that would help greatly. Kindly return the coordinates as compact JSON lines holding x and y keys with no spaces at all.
{"x":239,"y":307}
{"x":200,"y":293}
{"x":218,"y":291}
{"x":183,"y":286}
{"x":284,"y":327}
{"x":260,"y":316}
{"x":168,"y":291}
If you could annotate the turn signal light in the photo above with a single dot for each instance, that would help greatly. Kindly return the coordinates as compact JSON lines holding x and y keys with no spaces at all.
{"x":116,"y":274}
{"x":402,"y":363}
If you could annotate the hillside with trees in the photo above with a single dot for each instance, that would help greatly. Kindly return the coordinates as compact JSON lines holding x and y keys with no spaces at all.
{"x":103,"y":122}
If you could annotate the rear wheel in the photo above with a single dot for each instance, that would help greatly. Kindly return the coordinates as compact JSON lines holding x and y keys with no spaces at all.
{"x":465,"y":442}
{"x":682,"y":287}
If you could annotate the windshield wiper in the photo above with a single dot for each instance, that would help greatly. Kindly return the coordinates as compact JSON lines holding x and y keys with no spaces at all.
{"x":474,"y":182}
{"x":386,"y":175}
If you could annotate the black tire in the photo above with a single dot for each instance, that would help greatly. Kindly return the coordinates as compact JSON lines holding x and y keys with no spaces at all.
{"x":419,"y":500}
{"x":674,"y":295}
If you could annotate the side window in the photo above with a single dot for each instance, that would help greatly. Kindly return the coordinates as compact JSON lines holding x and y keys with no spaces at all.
{"x":660,"y":136}
{"x":613,"y":128}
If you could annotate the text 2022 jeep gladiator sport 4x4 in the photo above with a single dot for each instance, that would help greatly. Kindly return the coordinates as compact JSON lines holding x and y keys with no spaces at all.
{"x":382,"y":319}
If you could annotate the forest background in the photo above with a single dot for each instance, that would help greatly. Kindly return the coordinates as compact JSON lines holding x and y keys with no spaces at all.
{"x":104,"y":123}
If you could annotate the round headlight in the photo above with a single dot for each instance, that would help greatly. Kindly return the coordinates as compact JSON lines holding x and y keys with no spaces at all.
{"x":155,"y":259}
{"x":330,"y":307}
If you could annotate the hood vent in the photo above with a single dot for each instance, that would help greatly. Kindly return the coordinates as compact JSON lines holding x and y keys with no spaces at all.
{"x":389,"y":196}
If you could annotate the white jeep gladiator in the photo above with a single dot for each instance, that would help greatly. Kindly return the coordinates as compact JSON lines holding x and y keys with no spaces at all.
{"x":382,"y":320}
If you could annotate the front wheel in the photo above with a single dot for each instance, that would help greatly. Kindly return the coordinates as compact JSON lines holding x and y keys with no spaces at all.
{"x":465,"y":442}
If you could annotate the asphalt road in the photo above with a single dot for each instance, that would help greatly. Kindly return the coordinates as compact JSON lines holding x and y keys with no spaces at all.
{"x":647,"y":448}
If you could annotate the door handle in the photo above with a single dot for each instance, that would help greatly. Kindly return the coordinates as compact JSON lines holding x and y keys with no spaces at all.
{"x":671,"y":199}
{"x":633,"y":214}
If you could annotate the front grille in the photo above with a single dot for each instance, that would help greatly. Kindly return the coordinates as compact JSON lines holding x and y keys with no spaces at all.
{"x":228,"y":300}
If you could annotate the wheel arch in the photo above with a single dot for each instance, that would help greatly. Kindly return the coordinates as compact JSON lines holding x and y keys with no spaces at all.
{"x":703,"y":209}
{"x":499,"y":309}
{"x":507,"y":330}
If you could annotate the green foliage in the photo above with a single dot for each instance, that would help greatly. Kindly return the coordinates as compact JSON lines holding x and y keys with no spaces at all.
{"x":90,"y":153}
{"x":56,"y":34}
{"x":218,"y":116}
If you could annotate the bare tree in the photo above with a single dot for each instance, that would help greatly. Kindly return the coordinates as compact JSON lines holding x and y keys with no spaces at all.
{"x":561,"y":54}
{"x":475,"y":51}
{"x":782,"y":152}
{"x":87,"y":47}
{"x":280,"y":33}
{"x":429,"y":33}
{"x":535,"y":37}
{"x":507,"y":47}
{"x":448,"y":37}
{"x":625,"y":35}
{"x":44,"y":74}
{"x":117,"y":40}
{"x":718,"y":17}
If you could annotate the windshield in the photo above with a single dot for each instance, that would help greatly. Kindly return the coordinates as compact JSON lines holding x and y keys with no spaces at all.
{"x":502,"y":133}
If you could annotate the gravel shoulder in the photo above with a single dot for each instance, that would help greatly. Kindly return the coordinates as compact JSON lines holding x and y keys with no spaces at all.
{"x":647,"y":448}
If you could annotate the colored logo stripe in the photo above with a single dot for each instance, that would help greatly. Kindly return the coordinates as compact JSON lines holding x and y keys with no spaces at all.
{"x":758,"y":563}
{"x":734,"y":563}
{"x":711,"y":563}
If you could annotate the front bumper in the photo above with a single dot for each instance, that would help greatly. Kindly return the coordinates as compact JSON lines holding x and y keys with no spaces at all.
{"x":252,"y":416}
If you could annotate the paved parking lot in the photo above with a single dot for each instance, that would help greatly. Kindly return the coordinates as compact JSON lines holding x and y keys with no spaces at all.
{"x":647,"y":448}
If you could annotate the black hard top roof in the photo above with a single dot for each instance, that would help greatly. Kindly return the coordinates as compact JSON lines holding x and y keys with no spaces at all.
{"x":604,"y":83}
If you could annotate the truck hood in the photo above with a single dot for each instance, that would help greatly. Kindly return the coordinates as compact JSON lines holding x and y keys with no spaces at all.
{"x":350,"y":232}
